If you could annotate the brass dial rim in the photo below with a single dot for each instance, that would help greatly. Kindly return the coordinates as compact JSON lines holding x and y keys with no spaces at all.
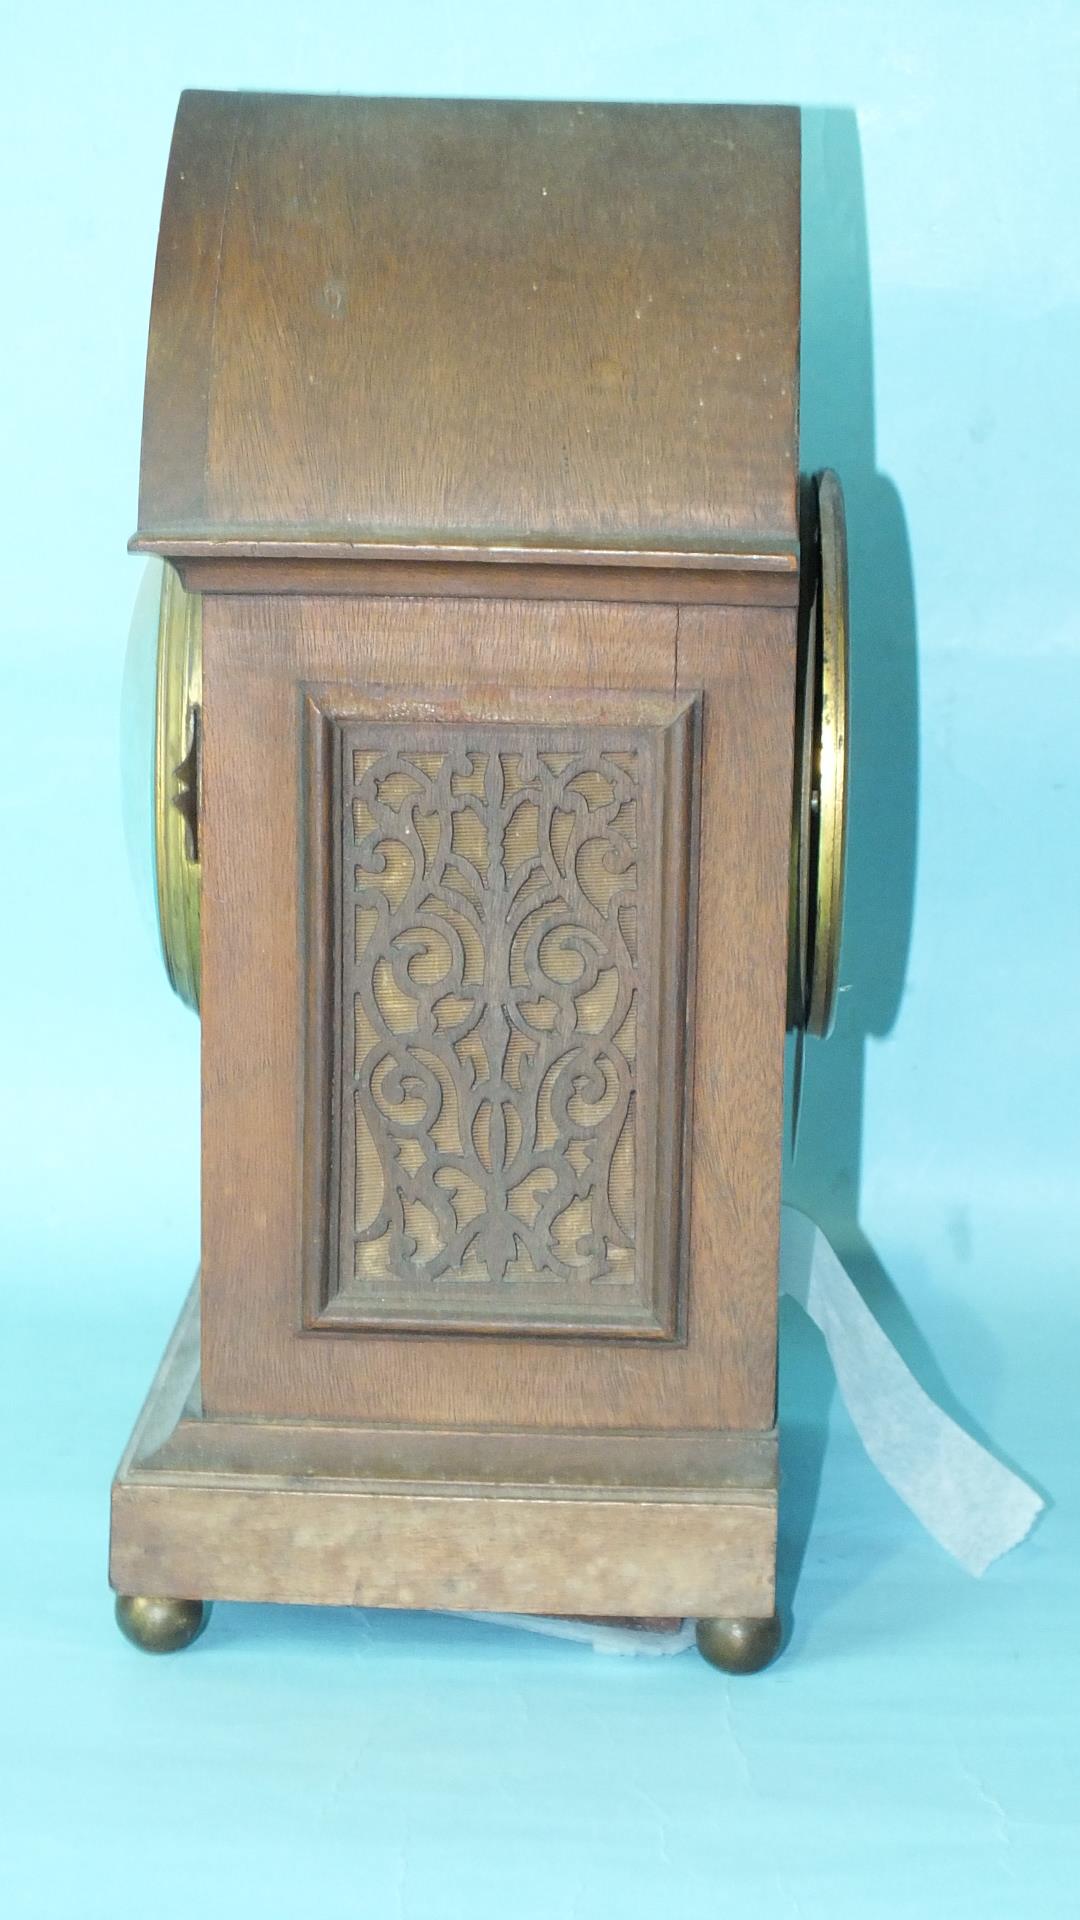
{"x":176,"y":798}
{"x":829,"y":838}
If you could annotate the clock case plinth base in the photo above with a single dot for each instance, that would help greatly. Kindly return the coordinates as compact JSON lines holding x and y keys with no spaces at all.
{"x":293,"y":1511}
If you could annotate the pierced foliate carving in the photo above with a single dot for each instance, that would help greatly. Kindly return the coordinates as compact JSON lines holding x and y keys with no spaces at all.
{"x":494,"y":981}
{"x":495,"y":1113}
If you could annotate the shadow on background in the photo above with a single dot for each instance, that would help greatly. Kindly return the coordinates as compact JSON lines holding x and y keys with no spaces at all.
{"x":837,"y":430}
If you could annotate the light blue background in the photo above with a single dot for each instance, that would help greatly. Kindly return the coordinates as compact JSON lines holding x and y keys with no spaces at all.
{"x":916,"y":1750}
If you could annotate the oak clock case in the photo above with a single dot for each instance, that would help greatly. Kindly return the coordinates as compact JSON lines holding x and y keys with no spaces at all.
{"x":499,"y":807}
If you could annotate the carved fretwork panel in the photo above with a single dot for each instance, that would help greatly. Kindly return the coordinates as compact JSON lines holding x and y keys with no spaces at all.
{"x":509,"y":897}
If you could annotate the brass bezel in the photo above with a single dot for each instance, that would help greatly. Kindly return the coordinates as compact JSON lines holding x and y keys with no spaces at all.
{"x":176,"y":782}
{"x":830,"y":774}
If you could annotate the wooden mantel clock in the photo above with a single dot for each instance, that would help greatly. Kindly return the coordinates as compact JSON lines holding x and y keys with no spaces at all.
{"x":501,"y":714}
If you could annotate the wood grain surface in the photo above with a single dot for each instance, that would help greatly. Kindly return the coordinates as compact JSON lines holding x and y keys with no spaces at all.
{"x":472,"y":421}
{"x":259,"y":653}
{"x":305,"y":1520}
{"x":473,"y":327}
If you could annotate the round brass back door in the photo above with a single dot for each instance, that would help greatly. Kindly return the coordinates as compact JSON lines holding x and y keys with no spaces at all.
{"x":819,"y":802}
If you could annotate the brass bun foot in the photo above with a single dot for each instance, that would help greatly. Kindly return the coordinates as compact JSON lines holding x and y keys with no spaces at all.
{"x":160,"y":1626}
{"x":739,"y":1646}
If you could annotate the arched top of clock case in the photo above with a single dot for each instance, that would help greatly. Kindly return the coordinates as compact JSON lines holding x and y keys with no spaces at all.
{"x":525,"y":331}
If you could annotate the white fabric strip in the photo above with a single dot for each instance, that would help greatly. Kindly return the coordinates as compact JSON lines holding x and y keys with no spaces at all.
{"x":972,"y":1505}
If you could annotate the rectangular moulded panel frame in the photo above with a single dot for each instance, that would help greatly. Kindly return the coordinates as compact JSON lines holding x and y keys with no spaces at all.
{"x":647,"y":743}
